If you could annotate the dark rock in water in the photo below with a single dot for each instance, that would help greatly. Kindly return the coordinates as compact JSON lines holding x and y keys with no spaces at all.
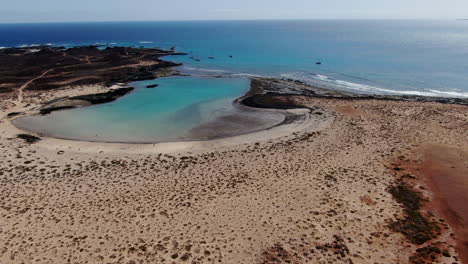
{"x":12,"y":114}
{"x":230,"y":56}
{"x":102,"y":98}
{"x":211,"y":57}
{"x":318,"y":63}
{"x":29,"y":138}
{"x":46,"y":111}
{"x":172,"y":48}
{"x":152,"y":86}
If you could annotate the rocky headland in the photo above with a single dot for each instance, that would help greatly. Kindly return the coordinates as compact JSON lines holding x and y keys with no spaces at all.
{"x":276,"y":93}
{"x":57,"y":67}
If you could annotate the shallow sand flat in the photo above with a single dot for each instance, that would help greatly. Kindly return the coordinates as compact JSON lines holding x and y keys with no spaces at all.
{"x":244,"y":120}
{"x":310,"y":197}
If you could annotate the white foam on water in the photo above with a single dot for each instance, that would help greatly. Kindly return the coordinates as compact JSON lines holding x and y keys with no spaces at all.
{"x":246,"y":75}
{"x":327,"y":82}
{"x":219,"y":72}
{"x":145,"y":42}
{"x":205,"y":70}
{"x":341,"y":84}
{"x":451,"y":93}
{"x":369,"y":88}
{"x":28,"y":45}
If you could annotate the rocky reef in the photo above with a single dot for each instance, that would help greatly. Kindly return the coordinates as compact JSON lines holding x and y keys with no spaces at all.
{"x":277,"y":93}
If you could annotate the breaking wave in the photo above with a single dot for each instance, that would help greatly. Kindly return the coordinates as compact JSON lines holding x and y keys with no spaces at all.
{"x":327,"y":82}
{"x":331,"y":83}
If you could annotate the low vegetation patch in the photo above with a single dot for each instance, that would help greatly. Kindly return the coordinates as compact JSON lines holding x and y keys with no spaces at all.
{"x":29,"y":138}
{"x":430,"y":254}
{"x":416,"y":227}
{"x":46,"y":111}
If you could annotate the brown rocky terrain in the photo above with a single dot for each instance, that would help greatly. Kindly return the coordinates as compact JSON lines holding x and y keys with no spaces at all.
{"x":55,"y":67}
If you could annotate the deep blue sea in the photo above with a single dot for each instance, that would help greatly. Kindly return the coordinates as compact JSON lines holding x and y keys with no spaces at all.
{"x":381,"y":56}
{"x":366,"y":56}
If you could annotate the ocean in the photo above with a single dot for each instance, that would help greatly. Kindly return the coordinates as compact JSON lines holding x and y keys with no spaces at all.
{"x":369,"y":56}
{"x":363,"y":56}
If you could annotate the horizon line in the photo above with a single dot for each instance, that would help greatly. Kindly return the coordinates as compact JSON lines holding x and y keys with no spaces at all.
{"x":235,"y":20}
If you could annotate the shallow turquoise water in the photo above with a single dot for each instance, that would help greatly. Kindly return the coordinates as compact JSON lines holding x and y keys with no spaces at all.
{"x":166,"y":112}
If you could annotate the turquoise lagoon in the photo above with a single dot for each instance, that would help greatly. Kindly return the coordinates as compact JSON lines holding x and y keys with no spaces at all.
{"x":164,"y":113}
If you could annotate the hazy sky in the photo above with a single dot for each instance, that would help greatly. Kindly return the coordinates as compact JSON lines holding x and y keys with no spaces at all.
{"x":123,"y":10}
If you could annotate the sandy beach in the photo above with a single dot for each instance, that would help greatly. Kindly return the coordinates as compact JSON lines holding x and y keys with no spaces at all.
{"x":307,"y":192}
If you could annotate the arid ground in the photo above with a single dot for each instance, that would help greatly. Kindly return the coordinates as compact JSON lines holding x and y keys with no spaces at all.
{"x":381,"y":181}
{"x":318,"y":197}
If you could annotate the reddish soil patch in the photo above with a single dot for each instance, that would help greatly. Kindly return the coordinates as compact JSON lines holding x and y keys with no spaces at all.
{"x":367,"y":200}
{"x":349,"y":110}
{"x":446,"y":171}
{"x":278,"y":254}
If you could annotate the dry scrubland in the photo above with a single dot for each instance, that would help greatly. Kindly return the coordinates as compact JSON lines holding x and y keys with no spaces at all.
{"x":312,"y":197}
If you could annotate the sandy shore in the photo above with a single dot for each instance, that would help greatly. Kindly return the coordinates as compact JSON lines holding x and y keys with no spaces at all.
{"x":301,"y":193}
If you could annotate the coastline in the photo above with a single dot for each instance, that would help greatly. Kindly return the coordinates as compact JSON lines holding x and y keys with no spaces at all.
{"x":300,"y":190}
{"x":251,"y":124}
{"x":266,"y":97}
{"x":333,"y":183}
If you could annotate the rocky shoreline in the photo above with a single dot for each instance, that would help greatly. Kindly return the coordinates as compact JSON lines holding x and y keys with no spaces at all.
{"x":84,"y":100}
{"x":266,"y":93}
{"x":88,"y":65}
{"x":32,"y":77}
{"x":276,"y":93}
